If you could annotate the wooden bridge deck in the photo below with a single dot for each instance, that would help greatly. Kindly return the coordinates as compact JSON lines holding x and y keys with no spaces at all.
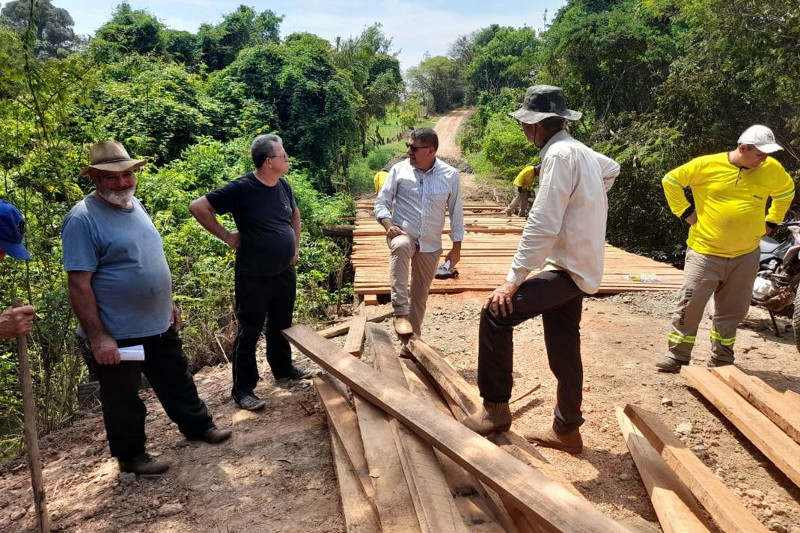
{"x":486,"y":252}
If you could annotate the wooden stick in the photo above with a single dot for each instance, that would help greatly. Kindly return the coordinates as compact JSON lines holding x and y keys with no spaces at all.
{"x":31,"y":437}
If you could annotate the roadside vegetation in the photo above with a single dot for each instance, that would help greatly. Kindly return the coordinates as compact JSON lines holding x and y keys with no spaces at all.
{"x":658,"y":82}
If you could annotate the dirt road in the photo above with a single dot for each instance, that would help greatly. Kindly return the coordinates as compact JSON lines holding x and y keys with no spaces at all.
{"x":447,"y":128}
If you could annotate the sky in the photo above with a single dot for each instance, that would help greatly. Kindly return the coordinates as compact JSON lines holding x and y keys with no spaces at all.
{"x":416,"y":27}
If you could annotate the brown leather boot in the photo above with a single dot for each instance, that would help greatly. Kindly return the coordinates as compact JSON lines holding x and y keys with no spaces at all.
{"x":493,"y":417}
{"x":570,"y":443}
{"x":402,"y":326}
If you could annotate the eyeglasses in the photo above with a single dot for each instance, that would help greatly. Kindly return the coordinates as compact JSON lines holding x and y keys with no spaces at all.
{"x":284,"y":156}
{"x":415,"y":148}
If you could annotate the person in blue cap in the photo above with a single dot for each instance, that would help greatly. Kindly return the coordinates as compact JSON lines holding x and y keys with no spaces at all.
{"x":14,"y":321}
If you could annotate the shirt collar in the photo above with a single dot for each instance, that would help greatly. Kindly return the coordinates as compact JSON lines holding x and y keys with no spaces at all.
{"x":560,"y":136}
{"x":425,"y":172}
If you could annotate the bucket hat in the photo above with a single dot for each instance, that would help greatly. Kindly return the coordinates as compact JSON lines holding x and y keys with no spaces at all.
{"x":111,"y":156}
{"x":541,"y":102}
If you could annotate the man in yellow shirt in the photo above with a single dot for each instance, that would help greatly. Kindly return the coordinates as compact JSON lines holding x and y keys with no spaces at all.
{"x":727,"y":220}
{"x":378,"y":179}
{"x":523,"y":183}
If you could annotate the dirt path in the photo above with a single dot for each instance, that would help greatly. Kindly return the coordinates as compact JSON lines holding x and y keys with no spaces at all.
{"x":447,"y":129}
{"x":276,"y":472}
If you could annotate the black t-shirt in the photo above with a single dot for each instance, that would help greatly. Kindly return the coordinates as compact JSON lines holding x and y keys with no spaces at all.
{"x":263,"y":217}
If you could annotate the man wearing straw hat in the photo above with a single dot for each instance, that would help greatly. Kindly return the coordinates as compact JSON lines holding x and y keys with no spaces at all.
{"x":120,"y":288}
{"x":14,"y":321}
{"x":565,"y":237}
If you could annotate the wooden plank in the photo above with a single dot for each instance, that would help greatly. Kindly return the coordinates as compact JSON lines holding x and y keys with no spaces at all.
{"x":436,"y":510}
{"x":392,"y":497}
{"x":341,"y":329}
{"x":762,"y":432}
{"x":541,"y":499}
{"x":477,"y":509}
{"x":764,"y":398}
{"x":359,"y":516}
{"x":343,"y":422}
{"x":445,"y":376}
{"x":726,"y":510}
{"x":370,"y":299}
{"x":677,"y":510}
{"x":355,"y":336}
{"x":793,"y":397}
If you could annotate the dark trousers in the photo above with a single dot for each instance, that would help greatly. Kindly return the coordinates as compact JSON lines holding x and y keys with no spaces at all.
{"x":167,"y":370}
{"x":555,"y":296}
{"x":260,"y":299}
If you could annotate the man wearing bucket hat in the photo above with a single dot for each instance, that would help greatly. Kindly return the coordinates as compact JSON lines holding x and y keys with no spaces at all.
{"x":726,"y":222}
{"x":14,"y":321}
{"x":120,"y":288}
{"x":565,"y":237}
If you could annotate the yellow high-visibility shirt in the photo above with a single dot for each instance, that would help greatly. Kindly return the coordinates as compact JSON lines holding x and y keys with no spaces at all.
{"x":525,"y":177}
{"x":378,"y":180}
{"x":730,"y":202}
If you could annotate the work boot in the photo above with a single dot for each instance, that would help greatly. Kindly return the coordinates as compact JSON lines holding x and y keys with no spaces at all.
{"x":492,"y":417}
{"x":715,"y":363}
{"x":402,"y":326}
{"x":296,"y":373}
{"x":670,"y":364}
{"x":570,"y":443}
{"x":143,"y":465}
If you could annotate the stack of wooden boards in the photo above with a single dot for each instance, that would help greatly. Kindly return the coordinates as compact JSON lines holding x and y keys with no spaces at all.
{"x":486,"y":253}
{"x":679,"y":484}
{"x":405,"y":464}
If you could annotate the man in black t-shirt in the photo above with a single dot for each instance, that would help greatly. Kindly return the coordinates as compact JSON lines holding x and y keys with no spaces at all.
{"x":267,"y":243}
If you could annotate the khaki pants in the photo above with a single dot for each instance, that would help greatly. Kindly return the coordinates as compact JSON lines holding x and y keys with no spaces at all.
{"x":406,"y":256}
{"x":730,"y":281}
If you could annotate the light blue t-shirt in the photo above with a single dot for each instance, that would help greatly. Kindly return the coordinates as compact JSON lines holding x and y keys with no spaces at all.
{"x":131,"y":279}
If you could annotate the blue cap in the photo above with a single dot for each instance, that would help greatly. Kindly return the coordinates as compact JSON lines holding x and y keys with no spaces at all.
{"x":12,"y":227}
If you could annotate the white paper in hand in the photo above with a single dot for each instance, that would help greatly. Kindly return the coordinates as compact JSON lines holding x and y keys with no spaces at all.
{"x":132,"y":353}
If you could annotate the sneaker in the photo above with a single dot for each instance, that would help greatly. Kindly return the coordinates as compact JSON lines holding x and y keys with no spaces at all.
{"x":214,"y":435}
{"x":714,"y":362}
{"x":296,"y":373}
{"x":143,"y":465}
{"x":670,"y":365}
{"x":250,"y":402}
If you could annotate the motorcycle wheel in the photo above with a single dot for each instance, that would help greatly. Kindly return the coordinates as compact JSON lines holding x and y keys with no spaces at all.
{"x":796,"y":319}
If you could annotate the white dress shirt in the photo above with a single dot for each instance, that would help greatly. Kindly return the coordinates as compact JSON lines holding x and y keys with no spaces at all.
{"x":417,"y":201}
{"x":566,"y":228}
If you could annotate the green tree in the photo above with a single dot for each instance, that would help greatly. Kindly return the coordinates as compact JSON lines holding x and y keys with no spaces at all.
{"x":132,"y":31}
{"x":439,"y":81}
{"x":504,"y":60}
{"x":51,"y":25}
{"x":244,"y":27}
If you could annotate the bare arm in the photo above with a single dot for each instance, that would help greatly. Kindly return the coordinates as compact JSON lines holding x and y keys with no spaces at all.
{"x":296,"y":229}
{"x":202,"y":211}
{"x":16,"y":321}
{"x":454,"y":255}
{"x":84,"y":303}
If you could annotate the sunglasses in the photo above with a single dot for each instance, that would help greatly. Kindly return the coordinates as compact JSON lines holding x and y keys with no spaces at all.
{"x":415,"y":148}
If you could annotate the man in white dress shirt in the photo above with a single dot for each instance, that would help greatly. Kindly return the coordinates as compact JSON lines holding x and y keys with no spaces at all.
{"x":411,"y":206}
{"x":565,"y":237}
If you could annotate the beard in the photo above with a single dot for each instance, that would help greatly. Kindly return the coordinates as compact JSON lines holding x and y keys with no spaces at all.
{"x":118,"y":198}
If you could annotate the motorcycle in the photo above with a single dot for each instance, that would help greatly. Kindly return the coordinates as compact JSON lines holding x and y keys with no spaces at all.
{"x":775,"y":286}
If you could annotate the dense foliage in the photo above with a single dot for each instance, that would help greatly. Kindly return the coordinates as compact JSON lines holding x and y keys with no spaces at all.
{"x":659,"y":82}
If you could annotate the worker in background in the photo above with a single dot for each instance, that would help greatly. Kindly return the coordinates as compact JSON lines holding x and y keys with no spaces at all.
{"x":523,"y":183}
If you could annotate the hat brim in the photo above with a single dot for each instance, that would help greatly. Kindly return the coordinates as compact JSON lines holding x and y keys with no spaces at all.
{"x":769,"y":148}
{"x":115,"y":166}
{"x":15,"y":250}
{"x":532,"y":117}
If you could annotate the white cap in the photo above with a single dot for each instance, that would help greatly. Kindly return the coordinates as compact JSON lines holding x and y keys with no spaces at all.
{"x":761,"y":137}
